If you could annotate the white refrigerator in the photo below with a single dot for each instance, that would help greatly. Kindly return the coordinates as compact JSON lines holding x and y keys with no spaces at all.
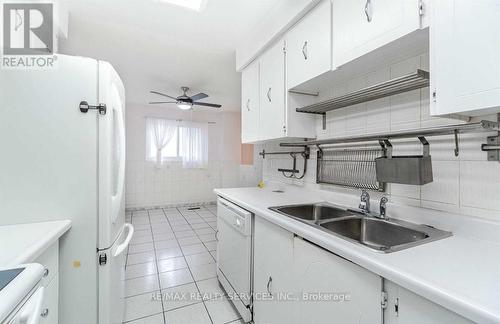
{"x":62,"y":161}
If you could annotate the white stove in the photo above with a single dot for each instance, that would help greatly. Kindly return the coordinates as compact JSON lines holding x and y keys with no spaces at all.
{"x":21,"y":296}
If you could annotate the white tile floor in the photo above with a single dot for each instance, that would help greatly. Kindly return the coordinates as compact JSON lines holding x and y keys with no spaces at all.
{"x":171,"y":275}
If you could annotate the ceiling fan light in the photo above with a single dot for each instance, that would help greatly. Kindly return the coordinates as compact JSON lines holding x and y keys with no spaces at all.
{"x":184,"y":105}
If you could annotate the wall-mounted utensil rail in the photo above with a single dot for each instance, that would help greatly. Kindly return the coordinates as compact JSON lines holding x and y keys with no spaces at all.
{"x":417,"y":80}
{"x":264,"y":153}
{"x":292,"y":173}
{"x":482,"y":126}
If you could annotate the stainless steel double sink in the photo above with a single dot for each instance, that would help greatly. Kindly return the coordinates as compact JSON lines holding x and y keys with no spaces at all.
{"x":384,"y":235}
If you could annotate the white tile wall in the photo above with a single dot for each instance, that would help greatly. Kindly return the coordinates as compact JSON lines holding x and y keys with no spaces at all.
{"x":468,"y":184}
{"x":172,"y":185}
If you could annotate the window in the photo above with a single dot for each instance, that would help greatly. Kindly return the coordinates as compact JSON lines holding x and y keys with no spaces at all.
{"x":176,"y":140}
{"x":169,"y":152}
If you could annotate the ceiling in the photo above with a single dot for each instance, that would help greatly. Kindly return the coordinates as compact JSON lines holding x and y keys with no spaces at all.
{"x":159,"y":46}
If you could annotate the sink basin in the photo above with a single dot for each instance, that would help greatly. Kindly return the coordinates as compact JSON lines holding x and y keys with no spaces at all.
{"x":313,"y":212}
{"x":374,"y":233}
{"x":383,"y":235}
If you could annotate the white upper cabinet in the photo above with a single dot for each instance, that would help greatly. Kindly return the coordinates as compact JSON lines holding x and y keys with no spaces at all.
{"x":250,"y":103}
{"x":267,"y":109}
{"x":272,"y":93}
{"x":464,"y":57}
{"x":309,"y":45}
{"x":361,"y":26}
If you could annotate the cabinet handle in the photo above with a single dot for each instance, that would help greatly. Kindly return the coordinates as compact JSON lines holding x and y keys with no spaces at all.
{"x":269,"y":94}
{"x":216,"y":236}
{"x":304,"y":50}
{"x":269,"y":285}
{"x":368,"y":10}
{"x":45,"y":313}
{"x":248,"y":104}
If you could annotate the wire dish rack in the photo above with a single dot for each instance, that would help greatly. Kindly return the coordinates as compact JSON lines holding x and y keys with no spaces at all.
{"x":353,"y":168}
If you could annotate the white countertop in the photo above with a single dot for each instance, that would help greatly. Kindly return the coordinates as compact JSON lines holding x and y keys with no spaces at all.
{"x":22,"y":243}
{"x":460,"y":273}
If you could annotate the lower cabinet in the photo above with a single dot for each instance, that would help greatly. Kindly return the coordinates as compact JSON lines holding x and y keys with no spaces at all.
{"x":405,"y":307}
{"x":298,"y":282}
{"x":332,"y":289}
{"x":273,"y":281}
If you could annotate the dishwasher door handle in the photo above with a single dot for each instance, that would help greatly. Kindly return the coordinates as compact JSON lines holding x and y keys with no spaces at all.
{"x":234,"y":209}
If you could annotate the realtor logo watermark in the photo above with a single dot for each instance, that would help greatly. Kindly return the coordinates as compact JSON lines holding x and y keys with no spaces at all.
{"x":28,"y":36}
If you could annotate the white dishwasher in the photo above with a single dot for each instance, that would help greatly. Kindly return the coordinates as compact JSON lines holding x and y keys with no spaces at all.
{"x":235,"y":255}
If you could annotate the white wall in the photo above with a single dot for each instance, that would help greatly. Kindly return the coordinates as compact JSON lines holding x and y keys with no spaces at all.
{"x":147,"y":185}
{"x":467,"y":184}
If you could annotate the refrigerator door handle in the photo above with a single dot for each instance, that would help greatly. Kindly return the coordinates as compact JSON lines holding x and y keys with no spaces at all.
{"x":116,"y":199}
{"x":123,"y":246}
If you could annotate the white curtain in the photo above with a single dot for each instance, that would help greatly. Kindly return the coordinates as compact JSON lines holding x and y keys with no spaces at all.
{"x":161,"y":132}
{"x":193,"y":145}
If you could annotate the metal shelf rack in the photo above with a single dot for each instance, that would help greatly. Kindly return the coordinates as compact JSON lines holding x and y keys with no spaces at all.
{"x":417,"y":80}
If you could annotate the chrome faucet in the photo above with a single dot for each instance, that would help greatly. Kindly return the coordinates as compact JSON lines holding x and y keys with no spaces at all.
{"x":365,"y":202}
{"x":383,"y":207}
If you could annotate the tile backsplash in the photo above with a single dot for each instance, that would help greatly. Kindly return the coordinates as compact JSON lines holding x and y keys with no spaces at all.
{"x":467,"y":184}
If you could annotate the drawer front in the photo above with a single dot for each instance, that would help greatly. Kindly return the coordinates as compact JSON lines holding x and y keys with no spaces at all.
{"x":50,"y":306}
{"x":50,"y":260}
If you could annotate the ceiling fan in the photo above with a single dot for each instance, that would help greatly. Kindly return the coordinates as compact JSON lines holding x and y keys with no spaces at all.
{"x":184,"y":101}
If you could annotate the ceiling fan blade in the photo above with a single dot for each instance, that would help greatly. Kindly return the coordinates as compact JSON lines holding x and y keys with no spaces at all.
{"x":199,"y":96}
{"x":207,"y":104}
{"x":162,"y":94}
{"x":161,"y":102}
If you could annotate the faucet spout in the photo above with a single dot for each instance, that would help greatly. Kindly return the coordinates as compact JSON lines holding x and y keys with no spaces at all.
{"x":383,"y":207}
{"x":365,"y":202}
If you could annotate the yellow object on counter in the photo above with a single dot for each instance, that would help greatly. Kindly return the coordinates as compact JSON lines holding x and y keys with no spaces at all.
{"x":261,"y":184}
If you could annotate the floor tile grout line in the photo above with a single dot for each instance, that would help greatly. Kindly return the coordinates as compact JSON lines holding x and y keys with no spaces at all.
{"x":197,"y":235}
{"x":179,"y":212}
{"x":144,"y":293}
{"x":224,"y":293}
{"x":152,"y":274}
{"x":190,"y":272}
{"x":184,"y":257}
{"x":157,"y":272}
{"x":154,"y":253}
{"x":140,"y":318}
{"x":204,"y":305}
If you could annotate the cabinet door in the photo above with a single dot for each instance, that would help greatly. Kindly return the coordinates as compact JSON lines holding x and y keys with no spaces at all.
{"x":309,"y":45}
{"x":405,"y":307}
{"x":334,"y":290}
{"x":250,"y":103}
{"x":272,"y":92}
{"x":273,"y":260}
{"x":361,"y":26}
{"x":464,"y":47}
